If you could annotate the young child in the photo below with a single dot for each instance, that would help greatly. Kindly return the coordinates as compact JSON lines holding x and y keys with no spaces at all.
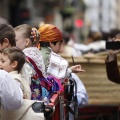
{"x":50,"y":44}
{"x":50,"y":41}
{"x":12,"y":60}
{"x":26,"y":39}
{"x":11,"y":98}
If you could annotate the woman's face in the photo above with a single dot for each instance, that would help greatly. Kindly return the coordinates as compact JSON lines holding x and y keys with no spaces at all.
{"x":20,"y":40}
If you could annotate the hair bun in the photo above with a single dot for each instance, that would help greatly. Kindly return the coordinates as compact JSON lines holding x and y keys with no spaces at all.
{"x":35,"y":35}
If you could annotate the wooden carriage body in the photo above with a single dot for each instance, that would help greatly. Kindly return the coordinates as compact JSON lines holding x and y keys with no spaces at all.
{"x":104,"y":95}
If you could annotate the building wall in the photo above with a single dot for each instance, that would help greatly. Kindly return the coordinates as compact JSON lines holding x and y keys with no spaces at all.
{"x":102,"y":15}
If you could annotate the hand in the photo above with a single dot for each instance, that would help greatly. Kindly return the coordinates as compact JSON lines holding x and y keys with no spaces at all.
{"x":113,"y":52}
{"x":76,"y":69}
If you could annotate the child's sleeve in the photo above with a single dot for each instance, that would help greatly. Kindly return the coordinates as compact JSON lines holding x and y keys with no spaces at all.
{"x":82,"y":96}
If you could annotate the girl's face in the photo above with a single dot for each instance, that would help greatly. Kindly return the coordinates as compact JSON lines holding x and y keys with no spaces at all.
{"x":56,"y":48}
{"x":5,"y":63}
{"x":20,"y":41}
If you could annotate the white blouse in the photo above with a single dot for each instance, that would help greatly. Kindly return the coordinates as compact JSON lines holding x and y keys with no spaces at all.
{"x":11,"y":96}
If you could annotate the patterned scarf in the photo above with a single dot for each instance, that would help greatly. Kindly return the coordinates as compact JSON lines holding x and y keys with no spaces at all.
{"x":50,"y":33}
{"x":57,"y":66}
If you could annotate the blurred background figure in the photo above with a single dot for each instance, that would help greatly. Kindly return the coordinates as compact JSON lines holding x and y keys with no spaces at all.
{"x":117,"y":36}
{"x":3,"y":21}
{"x":74,"y":16}
{"x":79,"y":47}
{"x":112,"y":34}
{"x":102,"y":15}
{"x":66,"y":49}
{"x":95,"y":42}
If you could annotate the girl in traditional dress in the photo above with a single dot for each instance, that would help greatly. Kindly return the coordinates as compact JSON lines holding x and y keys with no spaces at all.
{"x":27,"y":39}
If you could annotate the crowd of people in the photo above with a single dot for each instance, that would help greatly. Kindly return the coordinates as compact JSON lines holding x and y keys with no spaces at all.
{"x":31,"y":70}
{"x":95,"y":42}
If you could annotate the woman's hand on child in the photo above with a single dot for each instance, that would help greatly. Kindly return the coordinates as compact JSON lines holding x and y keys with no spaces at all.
{"x":77,"y":68}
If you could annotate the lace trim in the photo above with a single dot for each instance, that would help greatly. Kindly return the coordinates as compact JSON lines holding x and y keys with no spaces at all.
{"x":36,"y":56}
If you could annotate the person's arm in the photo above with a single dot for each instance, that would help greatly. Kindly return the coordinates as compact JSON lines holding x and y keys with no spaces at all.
{"x":82,"y":95}
{"x":73,"y":69}
{"x":112,"y":68}
{"x":11,"y":95}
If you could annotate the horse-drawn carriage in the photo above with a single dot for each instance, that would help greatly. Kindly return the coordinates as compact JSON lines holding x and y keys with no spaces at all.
{"x":104,"y":95}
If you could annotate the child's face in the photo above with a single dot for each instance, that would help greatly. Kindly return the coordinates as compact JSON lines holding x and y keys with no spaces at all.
{"x":56,"y":48}
{"x":20,"y":41}
{"x":5,"y":63}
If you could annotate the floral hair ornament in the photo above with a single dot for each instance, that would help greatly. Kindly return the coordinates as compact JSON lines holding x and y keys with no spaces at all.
{"x":34,"y":36}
